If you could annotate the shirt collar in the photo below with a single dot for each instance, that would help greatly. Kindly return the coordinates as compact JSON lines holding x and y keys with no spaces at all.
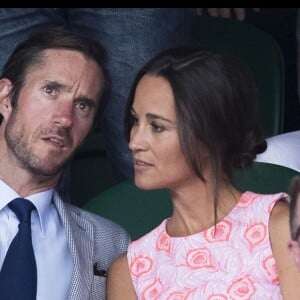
{"x":42,"y":201}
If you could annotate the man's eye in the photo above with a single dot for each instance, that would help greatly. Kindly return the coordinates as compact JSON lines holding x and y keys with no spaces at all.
{"x":84,"y":106}
{"x":48,"y":89}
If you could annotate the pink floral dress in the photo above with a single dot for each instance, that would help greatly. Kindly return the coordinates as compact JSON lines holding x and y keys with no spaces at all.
{"x":234,"y":263}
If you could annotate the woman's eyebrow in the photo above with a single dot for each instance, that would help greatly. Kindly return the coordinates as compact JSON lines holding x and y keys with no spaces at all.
{"x":151,"y":116}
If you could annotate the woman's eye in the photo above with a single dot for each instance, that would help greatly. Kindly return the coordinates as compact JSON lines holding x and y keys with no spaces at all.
{"x":134,"y":120}
{"x":157,"y":128}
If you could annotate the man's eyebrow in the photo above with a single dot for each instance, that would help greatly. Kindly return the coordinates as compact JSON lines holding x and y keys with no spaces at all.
{"x":56,"y":84}
{"x":86,"y":100}
{"x":59,"y":85}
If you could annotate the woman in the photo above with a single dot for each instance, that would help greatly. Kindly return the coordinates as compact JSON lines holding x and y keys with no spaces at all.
{"x":190,"y":121}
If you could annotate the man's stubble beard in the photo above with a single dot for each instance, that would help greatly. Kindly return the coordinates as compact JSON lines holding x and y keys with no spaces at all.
{"x":23,"y":152}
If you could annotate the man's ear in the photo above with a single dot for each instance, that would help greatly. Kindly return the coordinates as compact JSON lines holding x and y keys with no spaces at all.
{"x":294,"y":249}
{"x":5,"y":97}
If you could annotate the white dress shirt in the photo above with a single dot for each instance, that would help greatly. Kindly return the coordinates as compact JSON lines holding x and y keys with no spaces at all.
{"x":283,"y":150}
{"x":52,"y":254}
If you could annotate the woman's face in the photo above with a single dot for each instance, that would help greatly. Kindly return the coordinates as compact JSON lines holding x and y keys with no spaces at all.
{"x":154,"y":141}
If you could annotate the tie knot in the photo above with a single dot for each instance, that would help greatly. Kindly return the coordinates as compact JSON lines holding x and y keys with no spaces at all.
{"x":22,"y":208}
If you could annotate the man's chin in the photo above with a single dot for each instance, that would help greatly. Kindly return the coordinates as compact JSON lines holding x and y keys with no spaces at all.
{"x":47,"y":170}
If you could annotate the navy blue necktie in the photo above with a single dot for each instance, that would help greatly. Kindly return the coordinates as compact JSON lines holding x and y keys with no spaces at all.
{"x":18,"y":276}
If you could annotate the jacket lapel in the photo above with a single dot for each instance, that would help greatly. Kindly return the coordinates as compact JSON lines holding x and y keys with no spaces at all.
{"x":80,"y":239}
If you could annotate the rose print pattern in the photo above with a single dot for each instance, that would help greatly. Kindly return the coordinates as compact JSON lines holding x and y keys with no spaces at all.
{"x":270,"y":267}
{"x":199,"y":258}
{"x":242,"y":289}
{"x":247,"y":199}
{"x":230,"y":261}
{"x":140,"y":265}
{"x":255,"y":234}
{"x":153,"y":291}
{"x":163,"y":242}
{"x":180,"y":295}
{"x":220,"y":232}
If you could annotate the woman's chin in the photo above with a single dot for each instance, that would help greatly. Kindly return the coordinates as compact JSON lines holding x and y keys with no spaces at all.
{"x":146,"y":183}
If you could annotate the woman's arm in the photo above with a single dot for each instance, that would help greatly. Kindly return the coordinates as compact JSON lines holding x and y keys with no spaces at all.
{"x":119,"y":284}
{"x":289,"y":277}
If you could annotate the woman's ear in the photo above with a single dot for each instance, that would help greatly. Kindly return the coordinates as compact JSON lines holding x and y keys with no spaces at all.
{"x":5,"y":97}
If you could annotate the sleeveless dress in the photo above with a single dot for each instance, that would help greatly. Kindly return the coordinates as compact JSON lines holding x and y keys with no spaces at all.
{"x":233,"y":260}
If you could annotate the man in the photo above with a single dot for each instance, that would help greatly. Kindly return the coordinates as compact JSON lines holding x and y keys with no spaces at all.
{"x":294,"y":244}
{"x":50,"y":91}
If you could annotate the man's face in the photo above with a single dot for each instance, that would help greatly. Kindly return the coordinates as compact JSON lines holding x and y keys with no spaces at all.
{"x":294,"y":245}
{"x":54,"y":112}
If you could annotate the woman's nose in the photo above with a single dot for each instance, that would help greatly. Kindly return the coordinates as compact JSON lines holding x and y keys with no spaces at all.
{"x":137,"y":139}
